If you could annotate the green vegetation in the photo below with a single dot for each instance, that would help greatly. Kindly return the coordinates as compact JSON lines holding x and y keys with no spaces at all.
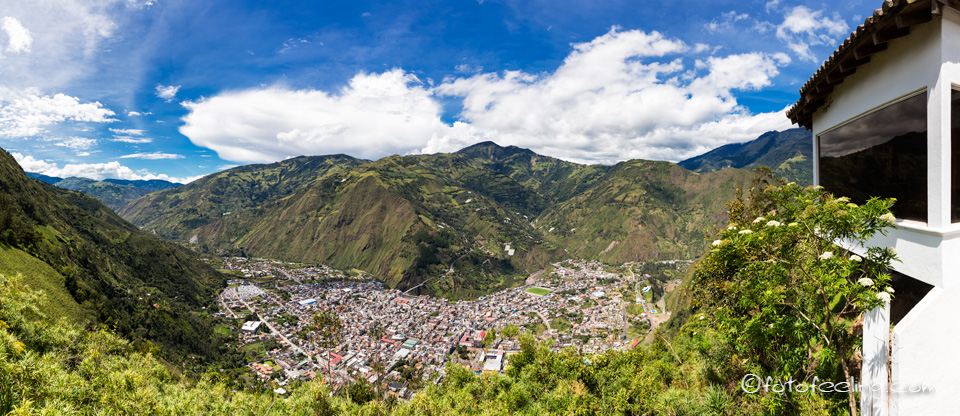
{"x":784,"y":293}
{"x":152,"y":292}
{"x":446,"y":218}
{"x":741,"y":324}
{"x":538,"y":291}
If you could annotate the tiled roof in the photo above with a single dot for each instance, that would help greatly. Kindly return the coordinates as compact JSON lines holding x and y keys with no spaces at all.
{"x":891,"y":21}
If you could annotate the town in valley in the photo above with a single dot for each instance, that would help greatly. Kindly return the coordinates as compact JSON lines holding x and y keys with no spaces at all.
{"x":402,"y":342}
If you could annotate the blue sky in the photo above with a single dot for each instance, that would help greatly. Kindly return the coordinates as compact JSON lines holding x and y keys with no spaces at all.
{"x":178,"y":89}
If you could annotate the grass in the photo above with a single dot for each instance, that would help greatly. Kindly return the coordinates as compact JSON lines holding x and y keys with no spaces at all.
{"x":40,"y":276}
{"x":539,"y":291}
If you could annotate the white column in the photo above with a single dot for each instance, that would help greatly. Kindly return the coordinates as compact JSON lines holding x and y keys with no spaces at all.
{"x":876,"y":351}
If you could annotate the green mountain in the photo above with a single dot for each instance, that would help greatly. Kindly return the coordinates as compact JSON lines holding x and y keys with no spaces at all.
{"x":103,"y":270}
{"x":114,"y":193}
{"x":787,"y":153}
{"x":457,"y":225}
{"x":643,"y":210}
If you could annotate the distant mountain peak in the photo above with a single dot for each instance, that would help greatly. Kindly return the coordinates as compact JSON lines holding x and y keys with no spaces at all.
{"x":494,"y":150}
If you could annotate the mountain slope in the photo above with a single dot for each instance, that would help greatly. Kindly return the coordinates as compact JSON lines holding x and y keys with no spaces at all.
{"x":457,"y":224}
{"x":643,"y":210}
{"x":114,"y":193}
{"x":788,"y":154}
{"x":148,"y":289}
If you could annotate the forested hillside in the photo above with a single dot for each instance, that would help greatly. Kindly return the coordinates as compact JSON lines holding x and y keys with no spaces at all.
{"x":99,"y":266}
{"x":466,"y":223}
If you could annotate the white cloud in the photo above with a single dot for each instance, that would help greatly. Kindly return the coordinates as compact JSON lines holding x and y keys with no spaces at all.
{"x":138,"y":113}
{"x":373,"y":116}
{"x":725,"y":21}
{"x":772,"y":5}
{"x":131,"y":139}
{"x":292,"y":43}
{"x":25,"y":113}
{"x":167,"y":93}
{"x":98,"y":171}
{"x":152,"y":156}
{"x":701,"y":47}
{"x":128,"y":132}
{"x":75,"y":143}
{"x":63,"y":40}
{"x":803,"y":28}
{"x":623,"y":95}
{"x":18,"y":37}
{"x":609,"y":102}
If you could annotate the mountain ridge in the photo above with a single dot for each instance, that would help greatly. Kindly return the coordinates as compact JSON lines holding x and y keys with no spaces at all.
{"x":490,"y":213}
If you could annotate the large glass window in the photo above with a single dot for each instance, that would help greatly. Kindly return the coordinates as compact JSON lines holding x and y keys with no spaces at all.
{"x":882,"y":154}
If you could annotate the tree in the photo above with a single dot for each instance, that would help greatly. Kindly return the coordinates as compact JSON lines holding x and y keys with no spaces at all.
{"x":510,"y":331}
{"x":329,"y":329}
{"x":783,"y":285}
{"x":489,"y":338}
{"x":376,"y":332}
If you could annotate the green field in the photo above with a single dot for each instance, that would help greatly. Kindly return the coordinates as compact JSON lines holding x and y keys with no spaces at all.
{"x":538,"y":291}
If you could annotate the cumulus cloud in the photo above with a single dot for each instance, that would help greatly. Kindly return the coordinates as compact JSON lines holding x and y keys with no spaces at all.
{"x":98,"y":171}
{"x":616,"y":98}
{"x":25,"y":113}
{"x":18,"y":37}
{"x":167,"y":93}
{"x":374,"y":115}
{"x":802,"y":28}
{"x":138,"y":113}
{"x":626,"y":94}
{"x":152,"y":156}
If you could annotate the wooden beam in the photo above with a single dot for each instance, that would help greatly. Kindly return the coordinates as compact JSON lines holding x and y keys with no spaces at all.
{"x":868,"y":49}
{"x":884,"y":35}
{"x":905,"y":20}
{"x":834,"y":78}
{"x":850,"y":66}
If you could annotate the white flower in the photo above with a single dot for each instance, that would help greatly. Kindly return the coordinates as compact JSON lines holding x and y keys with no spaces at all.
{"x":892,"y":251}
{"x":745,"y":232}
{"x":716,"y":243}
{"x":865,"y":281}
{"x":773,"y":224}
{"x":827,"y":255}
{"x":888,"y":218}
{"x":884,"y":296}
{"x":732,"y":227}
{"x":759,"y":220}
{"x":843,"y":200}
{"x":852,"y":205}
{"x":855,"y":258}
{"x":890,"y":289}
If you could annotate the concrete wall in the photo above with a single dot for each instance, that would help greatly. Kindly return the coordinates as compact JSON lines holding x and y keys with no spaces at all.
{"x":925,"y":357}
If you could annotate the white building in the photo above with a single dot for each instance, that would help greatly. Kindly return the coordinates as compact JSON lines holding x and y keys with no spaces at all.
{"x":884,"y":110}
{"x":250,"y":326}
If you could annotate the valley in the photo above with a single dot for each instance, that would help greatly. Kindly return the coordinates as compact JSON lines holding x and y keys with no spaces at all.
{"x":403,"y":342}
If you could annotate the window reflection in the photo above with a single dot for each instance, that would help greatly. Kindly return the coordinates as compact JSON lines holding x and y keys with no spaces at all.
{"x":882,"y":154}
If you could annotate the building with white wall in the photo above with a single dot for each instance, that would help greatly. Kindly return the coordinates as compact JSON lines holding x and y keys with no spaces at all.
{"x":884,"y":111}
